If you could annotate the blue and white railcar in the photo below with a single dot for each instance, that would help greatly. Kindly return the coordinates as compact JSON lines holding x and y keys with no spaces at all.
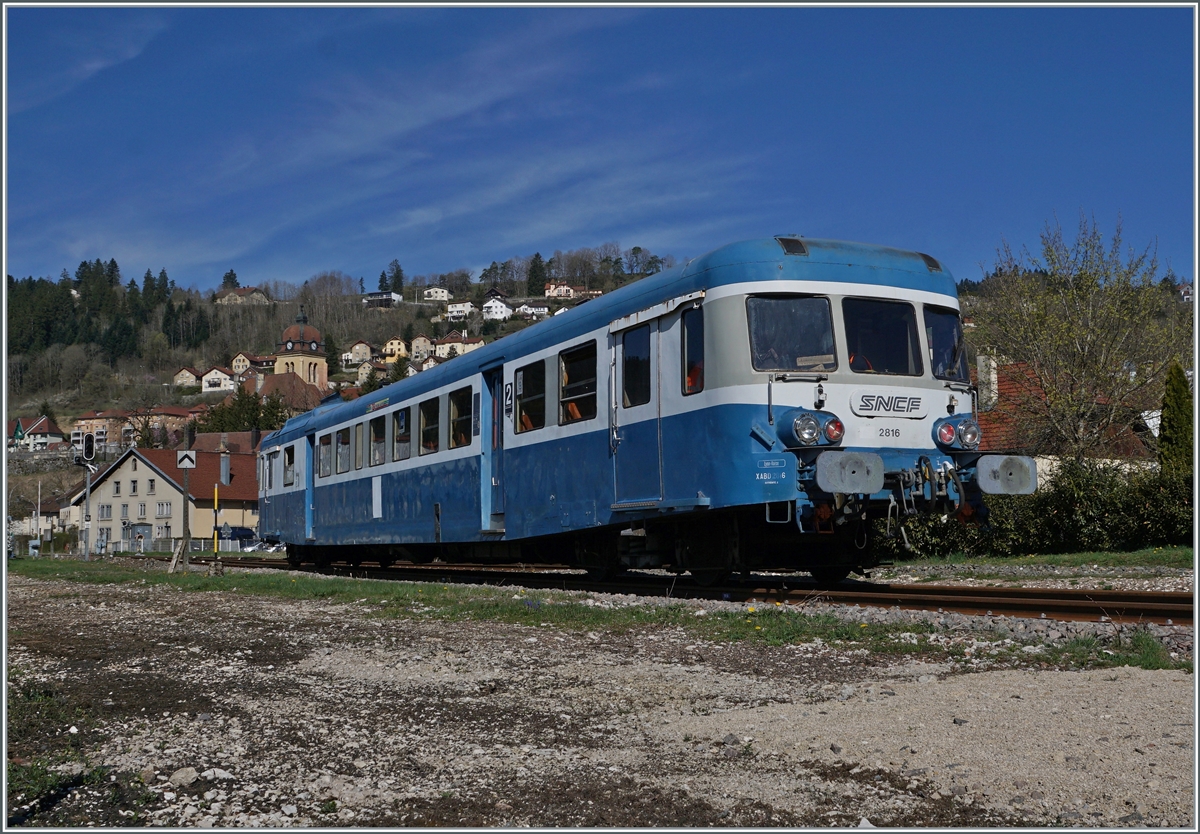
{"x":755,"y":407}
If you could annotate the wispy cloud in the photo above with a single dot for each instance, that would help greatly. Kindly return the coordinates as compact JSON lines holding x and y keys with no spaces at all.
{"x":71,"y":54}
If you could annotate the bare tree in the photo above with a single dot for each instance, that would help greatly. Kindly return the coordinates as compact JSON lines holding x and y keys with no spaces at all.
{"x":1087,"y":334}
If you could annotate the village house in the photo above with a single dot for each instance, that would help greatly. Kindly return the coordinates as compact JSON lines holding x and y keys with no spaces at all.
{"x":437,"y":294}
{"x":455,"y":344}
{"x":394,"y":349}
{"x":359,"y":352}
{"x":34,"y":433}
{"x":364,"y":371}
{"x":459,"y":310}
{"x":111,"y":429}
{"x":532,"y":311}
{"x":497,"y":293}
{"x":381,"y":300}
{"x":186,"y":377}
{"x":241,"y":295}
{"x":137,"y":503}
{"x":244,"y":361}
{"x":421,"y":347}
{"x":496,"y":310}
{"x":428,"y":362}
{"x":555,"y":289}
{"x":217,"y":378}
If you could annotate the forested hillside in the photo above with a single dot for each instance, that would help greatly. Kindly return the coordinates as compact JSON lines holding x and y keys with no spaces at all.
{"x":95,"y":339}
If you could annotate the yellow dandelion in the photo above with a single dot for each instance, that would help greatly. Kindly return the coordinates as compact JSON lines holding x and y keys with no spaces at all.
{"x":758,"y":628}
{"x":863,"y":625}
{"x":751,"y":609}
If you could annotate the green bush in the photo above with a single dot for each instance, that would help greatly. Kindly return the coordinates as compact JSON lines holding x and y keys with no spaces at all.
{"x":1087,"y":506}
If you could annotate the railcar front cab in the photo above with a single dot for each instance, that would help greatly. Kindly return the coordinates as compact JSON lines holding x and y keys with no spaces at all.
{"x":870,"y":444}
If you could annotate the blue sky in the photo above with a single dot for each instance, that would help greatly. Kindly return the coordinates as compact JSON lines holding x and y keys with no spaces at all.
{"x":282,"y":142}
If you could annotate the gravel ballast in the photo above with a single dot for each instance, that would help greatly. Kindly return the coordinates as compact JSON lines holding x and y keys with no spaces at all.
{"x":217,"y":709}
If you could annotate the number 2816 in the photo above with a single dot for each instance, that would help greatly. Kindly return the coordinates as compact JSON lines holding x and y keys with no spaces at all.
{"x":885,"y":432}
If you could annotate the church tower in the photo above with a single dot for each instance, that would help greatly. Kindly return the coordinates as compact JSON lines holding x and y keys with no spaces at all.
{"x":302,"y":352}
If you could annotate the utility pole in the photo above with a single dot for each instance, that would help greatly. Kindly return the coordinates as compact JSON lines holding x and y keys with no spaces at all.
{"x":187,"y":531}
{"x":87,"y":516}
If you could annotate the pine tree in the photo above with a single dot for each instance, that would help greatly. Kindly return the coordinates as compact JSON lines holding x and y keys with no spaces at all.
{"x":384,"y":284}
{"x":371,"y":383}
{"x":396,"y":372}
{"x":535,"y":282}
{"x":230,"y":281}
{"x":396,"y":277}
{"x":1176,"y":442}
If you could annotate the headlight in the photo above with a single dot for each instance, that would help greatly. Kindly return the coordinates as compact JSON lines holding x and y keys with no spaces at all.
{"x":807,"y":429}
{"x":834,"y":430}
{"x":969,"y":434}
{"x":946,"y":434}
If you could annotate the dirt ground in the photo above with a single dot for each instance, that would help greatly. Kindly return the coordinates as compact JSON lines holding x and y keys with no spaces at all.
{"x":182,"y":709}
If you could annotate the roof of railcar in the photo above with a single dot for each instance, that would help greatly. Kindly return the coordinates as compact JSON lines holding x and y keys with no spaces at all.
{"x":758,"y":260}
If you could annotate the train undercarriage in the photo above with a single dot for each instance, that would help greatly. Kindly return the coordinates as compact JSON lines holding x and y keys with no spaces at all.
{"x":711,"y":546}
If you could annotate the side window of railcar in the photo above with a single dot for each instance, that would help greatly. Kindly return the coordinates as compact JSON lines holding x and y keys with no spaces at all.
{"x":881,"y":337}
{"x":693,"y":350}
{"x":790,"y":333}
{"x":270,"y":462}
{"x":577,"y":384}
{"x":289,"y":465}
{"x":635,"y":366}
{"x":947,"y":352}
{"x":325,"y":455}
{"x":358,"y":445}
{"x":430,"y":414}
{"x":401,"y":435}
{"x":460,"y":417}
{"x":530,"y":385}
{"x":343,"y":450}
{"x":378,"y":439}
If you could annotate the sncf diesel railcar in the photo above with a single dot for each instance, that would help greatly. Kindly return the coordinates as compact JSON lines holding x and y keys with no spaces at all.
{"x":756,"y":407}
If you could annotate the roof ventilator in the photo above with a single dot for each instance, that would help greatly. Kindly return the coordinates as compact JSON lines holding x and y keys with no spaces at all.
{"x":792,"y":246}
{"x":932,"y":264}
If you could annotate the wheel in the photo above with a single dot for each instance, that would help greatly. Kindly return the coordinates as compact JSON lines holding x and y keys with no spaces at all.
{"x":829,"y":575}
{"x":293,"y":557}
{"x":385,"y":563}
{"x":355,"y":562}
{"x":708,"y":578}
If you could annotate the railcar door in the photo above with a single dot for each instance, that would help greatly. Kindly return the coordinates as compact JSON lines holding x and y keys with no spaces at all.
{"x":636,"y":432}
{"x":310,"y":467}
{"x":491,"y":468}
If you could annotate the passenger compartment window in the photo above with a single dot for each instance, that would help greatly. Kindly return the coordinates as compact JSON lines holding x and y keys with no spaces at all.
{"x":530,"y":385}
{"x":430,"y":414}
{"x":343,"y":450}
{"x":577,"y":384}
{"x":378,"y":440}
{"x":790,"y":333}
{"x":693,"y":350}
{"x":289,"y":465}
{"x":947,"y":352}
{"x":881,"y":337}
{"x":324,"y":455}
{"x":460,"y":418}
{"x":358,"y":445}
{"x":401,"y":435}
{"x":635,"y":366}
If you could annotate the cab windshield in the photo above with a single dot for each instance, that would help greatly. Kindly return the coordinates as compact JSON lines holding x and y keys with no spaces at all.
{"x":790,"y":333}
{"x":947,"y":352}
{"x":881,"y":337}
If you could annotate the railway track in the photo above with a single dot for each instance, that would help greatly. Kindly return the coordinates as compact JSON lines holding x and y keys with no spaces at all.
{"x":1161,"y":607}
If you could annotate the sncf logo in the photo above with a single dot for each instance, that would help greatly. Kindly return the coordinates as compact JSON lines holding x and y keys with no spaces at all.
{"x":895,"y":405}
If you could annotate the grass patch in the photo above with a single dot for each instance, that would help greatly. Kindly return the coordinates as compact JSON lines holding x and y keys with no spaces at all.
{"x":1166,"y":557}
{"x":772,"y":625}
